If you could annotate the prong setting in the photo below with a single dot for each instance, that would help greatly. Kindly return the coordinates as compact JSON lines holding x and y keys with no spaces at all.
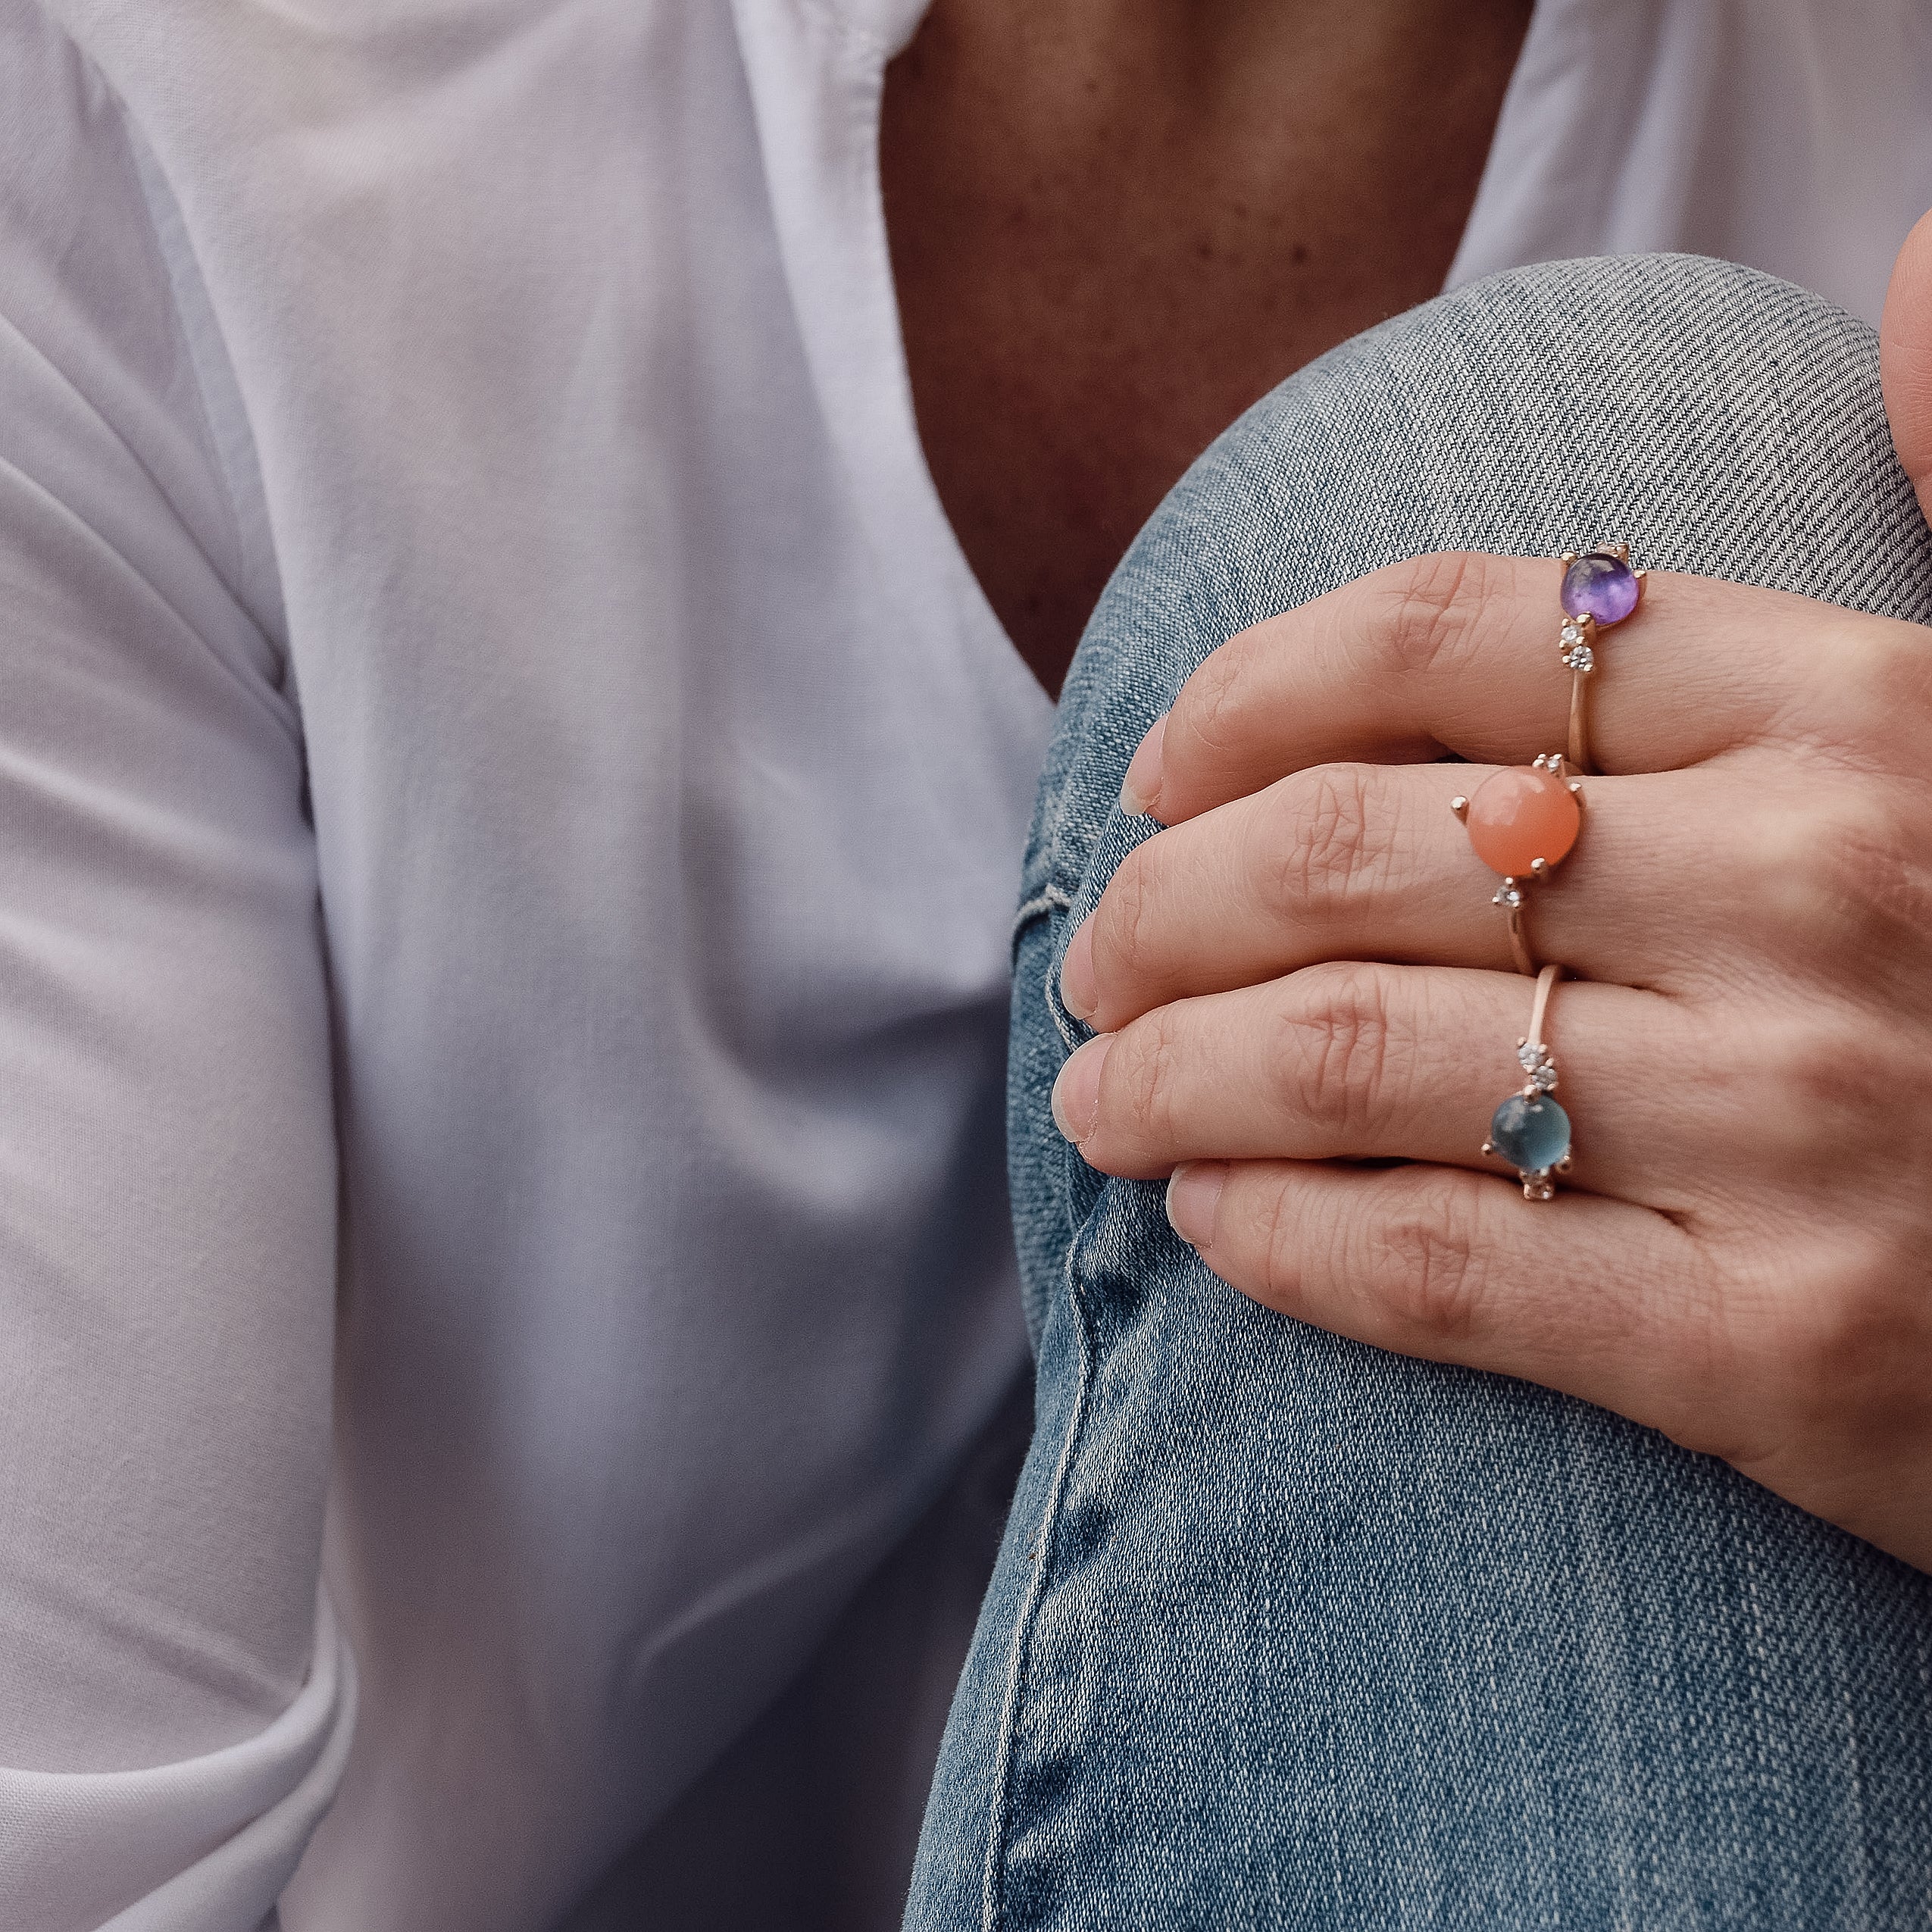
{"x":1529,"y":1130}
{"x":1503,"y":816}
{"x":1600,"y":589}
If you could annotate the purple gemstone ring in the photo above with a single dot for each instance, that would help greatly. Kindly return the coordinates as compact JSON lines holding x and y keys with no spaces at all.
{"x":1600,"y":589}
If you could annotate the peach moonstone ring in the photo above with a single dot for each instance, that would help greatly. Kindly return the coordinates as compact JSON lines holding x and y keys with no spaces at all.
{"x":1523,"y":820}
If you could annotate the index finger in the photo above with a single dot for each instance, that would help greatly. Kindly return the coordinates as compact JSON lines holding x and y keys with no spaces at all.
{"x":1458,"y":653}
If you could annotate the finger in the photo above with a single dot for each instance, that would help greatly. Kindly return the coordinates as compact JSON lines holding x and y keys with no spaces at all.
{"x":1459,"y":654}
{"x":1365,"y":861}
{"x":1595,"y":1297}
{"x":1361,"y":1061}
{"x":1904,"y":359}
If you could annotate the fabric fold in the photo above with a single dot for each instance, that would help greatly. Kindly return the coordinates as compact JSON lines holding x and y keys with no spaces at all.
{"x":204,"y":1845}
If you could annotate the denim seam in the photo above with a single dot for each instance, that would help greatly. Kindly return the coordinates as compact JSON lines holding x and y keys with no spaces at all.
{"x":991,"y":1892}
{"x":1073,"y":1034}
{"x":1049,"y":900}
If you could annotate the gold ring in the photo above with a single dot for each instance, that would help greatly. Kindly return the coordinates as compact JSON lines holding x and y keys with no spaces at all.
{"x":1600,"y":589}
{"x":1530,"y":1130}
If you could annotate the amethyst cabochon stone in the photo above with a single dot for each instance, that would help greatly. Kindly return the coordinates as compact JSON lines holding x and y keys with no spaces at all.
{"x":1601,"y":586}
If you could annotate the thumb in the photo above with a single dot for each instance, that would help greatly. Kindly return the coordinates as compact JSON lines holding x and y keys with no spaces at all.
{"x":1904,"y":359}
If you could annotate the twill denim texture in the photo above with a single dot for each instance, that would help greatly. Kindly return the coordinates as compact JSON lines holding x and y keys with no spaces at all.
{"x":1287,"y":1632}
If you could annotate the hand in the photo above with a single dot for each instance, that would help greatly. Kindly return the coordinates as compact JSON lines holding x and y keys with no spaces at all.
{"x":1742,"y":1256}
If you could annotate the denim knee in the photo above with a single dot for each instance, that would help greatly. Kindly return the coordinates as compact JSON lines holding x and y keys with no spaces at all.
{"x":1287,"y":1632}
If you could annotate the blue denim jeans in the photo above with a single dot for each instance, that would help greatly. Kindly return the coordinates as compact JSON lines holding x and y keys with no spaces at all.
{"x":1288,"y":1632}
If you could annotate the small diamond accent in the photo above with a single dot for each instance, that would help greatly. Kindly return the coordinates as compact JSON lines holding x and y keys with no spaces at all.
{"x":1509,"y":896}
{"x":1572,"y":633}
{"x":1533,"y":1057}
{"x":1580,"y":657}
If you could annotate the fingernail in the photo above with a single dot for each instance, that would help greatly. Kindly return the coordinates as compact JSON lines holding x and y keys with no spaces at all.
{"x":1078,"y":992}
{"x":1077,"y":1092}
{"x":1193,"y":1194}
{"x":1140,"y":790}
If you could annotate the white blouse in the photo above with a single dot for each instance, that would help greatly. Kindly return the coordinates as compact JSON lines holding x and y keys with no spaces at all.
{"x":512,"y":801}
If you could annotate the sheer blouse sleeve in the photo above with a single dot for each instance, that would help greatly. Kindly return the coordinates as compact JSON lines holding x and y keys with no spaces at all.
{"x":174,"y":1701}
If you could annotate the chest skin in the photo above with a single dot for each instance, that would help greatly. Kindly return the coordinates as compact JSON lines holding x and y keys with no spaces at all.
{"x":1116,"y":223}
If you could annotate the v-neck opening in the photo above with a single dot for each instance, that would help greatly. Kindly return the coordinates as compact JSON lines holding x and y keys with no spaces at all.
{"x":854,"y":41}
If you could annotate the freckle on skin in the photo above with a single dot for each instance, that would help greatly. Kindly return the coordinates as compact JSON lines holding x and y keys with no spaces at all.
{"x":1298,"y":254}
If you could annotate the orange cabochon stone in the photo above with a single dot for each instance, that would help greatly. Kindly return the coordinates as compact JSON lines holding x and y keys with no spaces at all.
{"x":1520,"y":815}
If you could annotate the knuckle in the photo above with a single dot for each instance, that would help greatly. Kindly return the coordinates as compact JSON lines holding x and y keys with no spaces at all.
{"x":1282,"y":1242}
{"x":1833,"y":1097}
{"x":1848,"y":1333}
{"x":1337,"y":1048}
{"x":1819,"y":1069}
{"x":1320,"y":838}
{"x":1123,"y":922}
{"x":1140,"y":1070}
{"x":1879,"y":1328}
{"x":1212,"y":707}
{"x":1829,"y":866}
{"x":1865,"y":826}
{"x":1843,"y":1326}
{"x":1881,"y":675}
{"x":1432,"y":612}
{"x":1424,"y":1268}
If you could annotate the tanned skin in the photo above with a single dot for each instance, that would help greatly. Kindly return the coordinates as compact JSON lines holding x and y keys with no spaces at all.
{"x":1116,"y":223}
